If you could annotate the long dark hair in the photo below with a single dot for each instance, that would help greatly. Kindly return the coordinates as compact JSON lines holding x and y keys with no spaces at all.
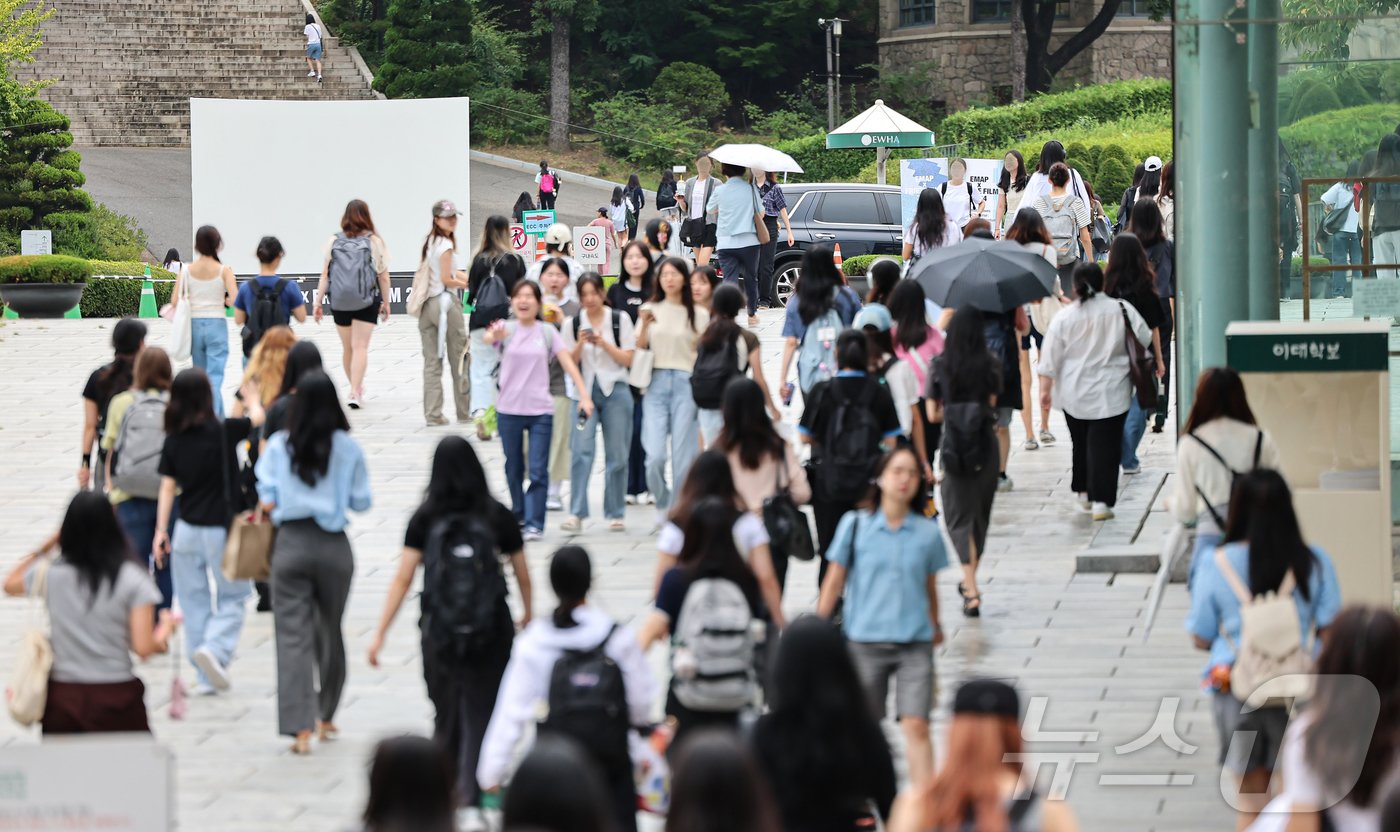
{"x":1146,"y":222}
{"x":92,"y":540}
{"x":304,"y":357}
{"x":1029,"y":227}
{"x":633,"y":182}
{"x":1050,"y":153}
{"x":709,"y":476}
{"x":818,"y":705}
{"x":883,"y":277}
{"x":523,"y":203}
{"x":557,"y":789}
{"x":1007,"y":184}
{"x":617,"y":195}
{"x":1219,"y":395}
{"x":312,"y":420}
{"x":930,"y":218}
{"x":725,"y":306}
{"x":1130,"y":275}
{"x":433,"y":233}
{"x":917,"y":503}
{"x":1168,"y":186}
{"x":1362,"y":642}
{"x":717,"y":787}
{"x":814,"y":288}
{"x":171,"y":256}
{"x":128,"y":336}
{"x":208,"y":241}
{"x":457,"y":483}
{"x":1261,"y":514}
{"x":966,"y":366}
{"x":570,"y":576}
{"x":658,"y":294}
{"x":747,"y":428}
{"x":410,"y":787}
{"x":909,"y":314}
{"x":191,"y":402}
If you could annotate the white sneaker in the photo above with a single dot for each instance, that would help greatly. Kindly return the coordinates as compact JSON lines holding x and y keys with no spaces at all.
{"x":470,"y":819}
{"x":554,"y":503}
{"x":311,"y":74}
{"x":1102,"y":512}
{"x":1084,"y":503}
{"x":214,"y":671}
{"x":531,"y":535}
{"x":631,"y":499}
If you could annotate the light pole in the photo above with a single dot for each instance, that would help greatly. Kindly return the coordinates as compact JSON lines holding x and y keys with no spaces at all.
{"x":832,"y":26}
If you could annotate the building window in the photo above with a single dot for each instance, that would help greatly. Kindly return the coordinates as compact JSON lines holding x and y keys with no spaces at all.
{"x":916,"y":12}
{"x":1135,"y":8}
{"x":999,"y":11}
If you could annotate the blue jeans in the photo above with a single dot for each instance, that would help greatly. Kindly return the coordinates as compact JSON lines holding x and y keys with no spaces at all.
{"x":1346,"y":249}
{"x":213,"y":614}
{"x":528,"y":506}
{"x":742,"y":263}
{"x":482,"y":372}
{"x":209,"y":349}
{"x":1133,"y":429}
{"x":711,"y":423}
{"x":137,"y":516}
{"x":668,"y":411}
{"x":615,"y":414}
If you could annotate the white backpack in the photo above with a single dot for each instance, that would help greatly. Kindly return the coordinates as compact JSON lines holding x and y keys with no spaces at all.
{"x":1064,"y":231}
{"x":1271,"y":642}
{"x":140,"y":440}
{"x":713,"y":660}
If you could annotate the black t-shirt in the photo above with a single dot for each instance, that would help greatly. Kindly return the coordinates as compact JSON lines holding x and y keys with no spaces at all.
{"x":1162,"y":256}
{"x":823,"y":402}
{"x":192,"y":458}
{"x":670,"y":596}
{"x":622,"y":298}
{"x":1003,"y":325}
{"x":276,"y":416}
{"x":1148,"y":307}
{"x":982,"y":386}
{"x":503,"y":525}
{"x":101,"y":393}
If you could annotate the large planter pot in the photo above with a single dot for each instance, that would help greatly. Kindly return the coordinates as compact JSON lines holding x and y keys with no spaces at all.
{"x":42,"y":300}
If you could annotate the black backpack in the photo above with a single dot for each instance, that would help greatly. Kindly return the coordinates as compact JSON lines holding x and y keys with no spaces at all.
{"x":266,"y":312}
{"x":966,"y":436}
{"x":665,"y":195}
{"x":464,"y":590}
{"x":491,"y":301}
{"x":715,"y":367}
{"x":851,"y":446}
{"x":588,"y":703}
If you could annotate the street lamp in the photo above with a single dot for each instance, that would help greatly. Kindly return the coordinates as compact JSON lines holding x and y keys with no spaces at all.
{"x":832,"y":25}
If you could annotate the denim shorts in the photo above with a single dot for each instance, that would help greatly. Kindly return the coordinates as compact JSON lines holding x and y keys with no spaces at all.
{"x":313,"y":51}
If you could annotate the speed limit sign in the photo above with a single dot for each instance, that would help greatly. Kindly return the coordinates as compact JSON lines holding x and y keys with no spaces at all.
{"x":591,"y":247}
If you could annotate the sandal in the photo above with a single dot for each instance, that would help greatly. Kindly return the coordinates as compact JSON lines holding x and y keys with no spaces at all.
{"x":617,"y":525}
{"x":326,"y":730}
{"x":972,"y":605}
{"x":301,"y":747}
{"x":573,"y":524}
{"x":1031,"y":444}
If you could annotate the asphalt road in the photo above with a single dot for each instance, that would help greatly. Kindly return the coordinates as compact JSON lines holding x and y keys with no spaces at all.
{"x":153,"y":186}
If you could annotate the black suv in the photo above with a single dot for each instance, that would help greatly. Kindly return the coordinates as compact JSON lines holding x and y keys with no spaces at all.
{"x":863,"y":219}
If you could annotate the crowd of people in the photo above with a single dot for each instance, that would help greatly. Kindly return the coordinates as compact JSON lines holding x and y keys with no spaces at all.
{"x":905,"y":416}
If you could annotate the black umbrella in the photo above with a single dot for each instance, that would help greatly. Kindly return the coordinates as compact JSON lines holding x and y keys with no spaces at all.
{"x":986,"y":274}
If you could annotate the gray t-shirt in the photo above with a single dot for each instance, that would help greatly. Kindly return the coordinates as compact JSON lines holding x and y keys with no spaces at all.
{"x":91,"y":636}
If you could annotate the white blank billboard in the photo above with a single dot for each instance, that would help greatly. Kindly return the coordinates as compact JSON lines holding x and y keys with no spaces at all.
{"x":287,"y":169}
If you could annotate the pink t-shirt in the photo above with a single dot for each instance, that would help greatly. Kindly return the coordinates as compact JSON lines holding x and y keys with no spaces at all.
{"x":524,"y":374}
{"x":919,"y":359}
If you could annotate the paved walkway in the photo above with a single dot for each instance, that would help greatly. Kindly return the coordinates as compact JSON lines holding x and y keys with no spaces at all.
{"x":1076,"y":640}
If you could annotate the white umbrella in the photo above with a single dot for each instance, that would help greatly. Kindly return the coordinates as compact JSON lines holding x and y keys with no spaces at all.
{"x":759,"y":156}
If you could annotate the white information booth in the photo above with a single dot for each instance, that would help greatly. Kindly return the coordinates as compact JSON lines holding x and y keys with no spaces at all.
{"x":1322,"y":391}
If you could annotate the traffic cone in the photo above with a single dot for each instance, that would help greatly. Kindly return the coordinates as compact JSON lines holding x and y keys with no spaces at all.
{"x":148,"y":307}
{"x":75,"y":312}
{"x":10,"y":314}
{"x":539,"y":248}
{"x":836,"y":256}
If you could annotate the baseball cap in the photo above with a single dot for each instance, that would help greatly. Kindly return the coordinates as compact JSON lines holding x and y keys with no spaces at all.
{"x":445,"y":208}
{"x":1152,"y":163}
{"x":558,"y":235}
{"x":874,"y":314}
{"x":602,"y":209}
{"x":988,"y":697}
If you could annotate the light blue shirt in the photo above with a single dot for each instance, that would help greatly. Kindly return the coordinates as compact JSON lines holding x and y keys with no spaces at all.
{"x":1214,"y":605}
{"x":344,"y":488}
{"x":887,"y":589}
{"x":737,"y":202}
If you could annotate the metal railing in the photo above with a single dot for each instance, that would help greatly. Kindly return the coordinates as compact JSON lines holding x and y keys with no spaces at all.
{"x":1366,"y":267}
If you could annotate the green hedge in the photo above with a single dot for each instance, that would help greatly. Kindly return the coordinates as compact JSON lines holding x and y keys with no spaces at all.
{"x":1323,"y":145}
{"x":117,"y":297}
{"x":994,"y":128}
{"x":44,"y":268}
{"x":131,"y":268}
{"x":1106,"y":155}
{"x":861,"y":263}
{"x":822,"y":165}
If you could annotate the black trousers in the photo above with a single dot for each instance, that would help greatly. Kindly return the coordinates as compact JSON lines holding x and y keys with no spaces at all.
{"x":828,"y":514}
{"x":766,"y":253}
{"x":1168,"y":325}
{"x":547,"y":200}
{"x":636,"y":456}
{"x":1097,"y":451}
{"x":463,"y":699}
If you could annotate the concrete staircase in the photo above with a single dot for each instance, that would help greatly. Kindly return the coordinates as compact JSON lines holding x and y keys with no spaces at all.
{"x":124,"y":70}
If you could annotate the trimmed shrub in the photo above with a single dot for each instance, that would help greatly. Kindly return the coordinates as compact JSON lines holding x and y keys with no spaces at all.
{"x":822,"y":165}
{"x":992,"y":129}
{"x":44,"y":268}
{"x":861,"y":263}
{"x":100,"y":234}
{"x":1351,"y":93}
{"x":1322,"y":145}
{"x":116,"y":297}
{"x":1313,"y":100}
{"x":133,"y":268}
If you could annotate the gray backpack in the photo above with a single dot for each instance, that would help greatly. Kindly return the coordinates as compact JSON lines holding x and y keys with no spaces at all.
{"x":713,"y":660}
{"x":353,"y":283}
{"x":1064,"y":231}
{"x":136,"y":454}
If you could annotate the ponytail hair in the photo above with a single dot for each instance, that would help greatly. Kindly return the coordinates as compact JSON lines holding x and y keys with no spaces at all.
{"x":570,"y":575}
{"x":1088,"y":280}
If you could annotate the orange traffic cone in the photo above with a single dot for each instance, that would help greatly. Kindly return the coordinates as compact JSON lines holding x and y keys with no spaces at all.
{"x":539,"y":248}
{"x":837,"y":257}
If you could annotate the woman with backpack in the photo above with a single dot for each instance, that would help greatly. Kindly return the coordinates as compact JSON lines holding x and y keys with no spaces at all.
{"x":1129,"y":278}
{"x":1038,"y":183}
{"x":709,"y":590}
{"x":726,"y":352}
{"x":1345,"y":249}
{"x":983,"y":783}
{"x":917,"y":343}
{"x":963,"y":385}
{"x":1011,"y":191}
{"x":1220,"y":440}
{"x":100,"y":606}
{"x":1084,"y":372}
{"x":355,"y":272}
{"x":310,"y":477}
{"x":670,"y":329}
{"x":1149,"y":224}
{"x":1166,"y":200}
{"x":618,"y":209}
{"x":884,"y":561}
{"x":198,"y":460}
{"x":601,"y":341}
{"x":1028,"y":230}
{"x":128,"y":339}
{"x":134,"y":451}
{"x":441,"y":327}
{"x":209,"y":287}
{"x":634,"y":288}
{"x":962,"y":199}
{"x":931,"y":227}
{"x":874,"y":320}
{"x":666,"y":191}
{"x":1264,"y":553}
{"x":587,"y":641}
{"x":825,"y":306}
{"x":1067,"y":218}
{"x":635,"y":199}
{"x":495,"y":271}
{"x":822,"y":751}
{"x":268,"y":300}
{"x":548,"y":181}
{"x":462,"y":678}
{"x":525,"y":406}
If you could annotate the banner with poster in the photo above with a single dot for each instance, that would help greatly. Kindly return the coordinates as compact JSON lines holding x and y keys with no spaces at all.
{"x":917,"y":174}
